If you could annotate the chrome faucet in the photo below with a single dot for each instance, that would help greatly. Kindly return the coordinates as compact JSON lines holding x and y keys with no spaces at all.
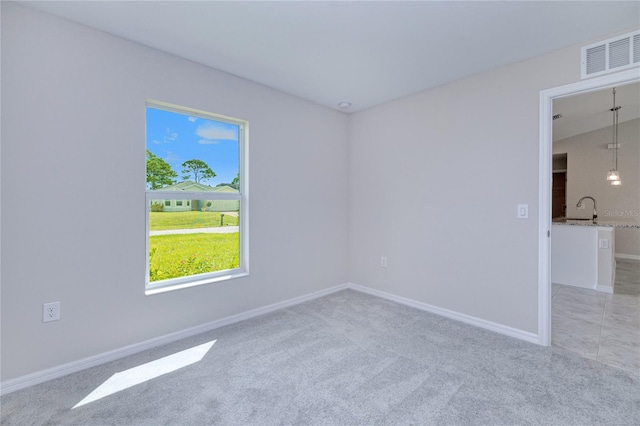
{"x":595,"y":206}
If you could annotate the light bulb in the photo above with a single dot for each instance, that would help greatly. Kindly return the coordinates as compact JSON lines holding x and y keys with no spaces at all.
{"x":616,"y":182}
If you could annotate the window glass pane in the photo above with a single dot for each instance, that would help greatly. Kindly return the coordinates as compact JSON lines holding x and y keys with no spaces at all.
{"x":205,"y":238}
{"x":190,"y":153}
{"x":190,"y":234}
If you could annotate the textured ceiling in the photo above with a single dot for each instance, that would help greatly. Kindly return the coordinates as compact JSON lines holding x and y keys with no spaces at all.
{"x":366,"y":53}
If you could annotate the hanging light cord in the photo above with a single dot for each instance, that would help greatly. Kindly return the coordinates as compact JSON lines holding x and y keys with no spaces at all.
{"x":616,"y":126}
{"x":615,"y":131}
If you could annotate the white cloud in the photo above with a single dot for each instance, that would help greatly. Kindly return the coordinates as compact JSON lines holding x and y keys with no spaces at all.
{"x":192,"y":119}
{"x":208,"y":141}
{"x":212,"y":133}
{"x":172,"y":158}
{"x":170,"y":135}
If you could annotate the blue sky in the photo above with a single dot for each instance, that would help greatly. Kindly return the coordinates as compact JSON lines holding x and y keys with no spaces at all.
{"x":177,"y":138}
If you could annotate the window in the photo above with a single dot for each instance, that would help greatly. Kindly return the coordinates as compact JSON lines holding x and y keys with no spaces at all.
{"x":196,"y":193}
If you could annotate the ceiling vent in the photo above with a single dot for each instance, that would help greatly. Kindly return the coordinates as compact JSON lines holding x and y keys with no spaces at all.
{"x":614,"y":54}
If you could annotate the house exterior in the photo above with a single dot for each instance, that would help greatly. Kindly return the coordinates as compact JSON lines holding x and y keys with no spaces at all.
{"x":173,"y":205}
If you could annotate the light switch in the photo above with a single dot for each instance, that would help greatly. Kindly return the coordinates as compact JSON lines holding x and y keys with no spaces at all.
{"x":523,"y":211}
{"x":603,"y":243}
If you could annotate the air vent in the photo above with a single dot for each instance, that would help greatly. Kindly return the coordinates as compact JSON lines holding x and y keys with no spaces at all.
{"x":619,"y":53}
{"x":611,"y":55}
{"x":596,"y":59}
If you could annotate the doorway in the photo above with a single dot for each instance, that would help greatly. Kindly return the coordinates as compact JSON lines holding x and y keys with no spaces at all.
{"x":545,"y":184}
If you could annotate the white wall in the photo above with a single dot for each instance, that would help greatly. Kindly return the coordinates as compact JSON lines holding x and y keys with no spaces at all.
{"x":431,"y":181}
{"x":73,"y":111}
{"x":435,"y":179}
{"x":588,"y":161}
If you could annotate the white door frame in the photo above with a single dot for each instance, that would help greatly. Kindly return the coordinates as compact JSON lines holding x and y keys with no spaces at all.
{"x":544,"y":191}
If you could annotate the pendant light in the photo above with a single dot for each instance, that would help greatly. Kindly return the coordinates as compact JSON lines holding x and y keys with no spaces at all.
{"x":613,"y":175}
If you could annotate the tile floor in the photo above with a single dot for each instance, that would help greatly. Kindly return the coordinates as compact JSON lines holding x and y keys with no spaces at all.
{"x":600,"y":326}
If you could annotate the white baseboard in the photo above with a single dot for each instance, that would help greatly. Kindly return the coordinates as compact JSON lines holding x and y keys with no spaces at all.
{"x":604,"y":289}
{"x":42,"y":376}
{"x":478,"y":322}
{"x":627,"y":256}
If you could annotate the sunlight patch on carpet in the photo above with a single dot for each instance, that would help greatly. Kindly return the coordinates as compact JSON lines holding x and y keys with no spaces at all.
{"x":145,"y":372}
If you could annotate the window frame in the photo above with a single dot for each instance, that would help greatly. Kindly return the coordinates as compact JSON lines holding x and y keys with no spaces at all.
{"x":242,"y":196}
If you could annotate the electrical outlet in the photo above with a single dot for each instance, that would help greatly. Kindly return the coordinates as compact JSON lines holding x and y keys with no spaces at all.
{"x":383,"y":262}
{"x":51,"y":311}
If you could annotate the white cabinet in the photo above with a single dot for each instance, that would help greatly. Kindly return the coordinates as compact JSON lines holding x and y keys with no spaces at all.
{"x":583,"y":256}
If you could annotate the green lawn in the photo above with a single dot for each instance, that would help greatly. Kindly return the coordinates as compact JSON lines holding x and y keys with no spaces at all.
{"x":188,"y":220}
{"x":180,"y":255}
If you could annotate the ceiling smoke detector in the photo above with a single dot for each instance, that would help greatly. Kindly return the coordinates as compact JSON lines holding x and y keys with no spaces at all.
{"x":344,"y":105}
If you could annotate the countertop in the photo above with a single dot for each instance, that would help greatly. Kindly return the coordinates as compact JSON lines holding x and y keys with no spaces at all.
{"x":620,"y":223}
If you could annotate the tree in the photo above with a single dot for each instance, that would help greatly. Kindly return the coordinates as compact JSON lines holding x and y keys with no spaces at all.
{"x":198,"y":169}
{"x":159,"y":172}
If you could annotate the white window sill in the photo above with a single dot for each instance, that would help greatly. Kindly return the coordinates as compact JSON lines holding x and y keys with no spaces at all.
{"x":151,"y":290}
